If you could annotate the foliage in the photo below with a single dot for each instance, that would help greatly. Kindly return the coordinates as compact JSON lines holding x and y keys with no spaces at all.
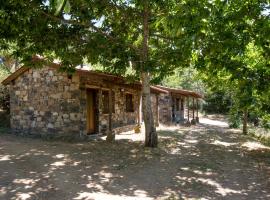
{"x":4,"y":98}
{"x":217,"y":102}
{"x":234,"y":118}
{"x":4,"y":93}
{"x":186,"y":78}
{"x":235,"y":52}
{"x":265,"y":121}
{"x":4,"y":72}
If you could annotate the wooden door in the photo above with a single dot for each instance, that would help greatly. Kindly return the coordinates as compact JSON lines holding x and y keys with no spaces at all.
{"x":91,"y":112}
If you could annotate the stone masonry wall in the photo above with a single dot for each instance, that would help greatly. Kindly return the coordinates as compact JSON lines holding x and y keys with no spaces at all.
{"x":155,"y":107}
{"x":44,"y":101}
{"x":165,"y":109}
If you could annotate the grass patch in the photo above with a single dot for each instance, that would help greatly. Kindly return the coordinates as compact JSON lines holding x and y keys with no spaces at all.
{"x":4,"y":72}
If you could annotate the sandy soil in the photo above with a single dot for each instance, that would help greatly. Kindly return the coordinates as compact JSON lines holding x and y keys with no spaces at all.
{"x":207,"y":161}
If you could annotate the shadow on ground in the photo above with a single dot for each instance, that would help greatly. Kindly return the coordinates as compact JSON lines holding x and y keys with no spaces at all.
{"x":203,"y":161}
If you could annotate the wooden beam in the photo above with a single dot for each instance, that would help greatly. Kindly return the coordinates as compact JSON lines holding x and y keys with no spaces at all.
{"x":99,"y":103}
{"x":139,"y":109}
{"x":110,"y":135}
{"x":110,"y":110}
{"x":157,"y":113}
{"x":193,"y":109}
{"x":93,"y":87}
{"x":197,"y":106}
{"x":188,"y":107}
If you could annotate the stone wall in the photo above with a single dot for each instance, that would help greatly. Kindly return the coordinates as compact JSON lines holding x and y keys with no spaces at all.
{"x":155,"y":108}
{"x":45,"y":101}
{"x":165,"y":109}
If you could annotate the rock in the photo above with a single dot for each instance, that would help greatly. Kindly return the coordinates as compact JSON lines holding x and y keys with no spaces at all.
{"x":25,"y":98}
{"x":55,"y":114}
{"x":36,"y":74}
{"x":50,"y":125}
{"x":54,"y":78}
{"x":50,"y":73}
{"x":73,"y":116}
{"x":33,"y":124}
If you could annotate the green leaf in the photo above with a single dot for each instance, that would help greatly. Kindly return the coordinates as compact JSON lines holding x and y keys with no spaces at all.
{"x":67,"y":7}
{"x":59,"y":5}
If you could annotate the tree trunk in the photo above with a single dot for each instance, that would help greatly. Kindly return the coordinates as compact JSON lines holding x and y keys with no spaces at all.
{"x":110,"y":135}
{"x":245,"y":121}
{"x":151,"y":139}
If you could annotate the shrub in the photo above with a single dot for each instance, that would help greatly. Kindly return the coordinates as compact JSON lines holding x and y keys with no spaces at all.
{"x":234,"y":119}
{"x":217,"y":102}
{"x":265,"y":122}
{"x":4,"y":98}
{"x":4,"y":92}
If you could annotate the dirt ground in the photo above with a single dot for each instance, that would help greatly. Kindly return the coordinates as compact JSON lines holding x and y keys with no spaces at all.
{"x":207,"y":161}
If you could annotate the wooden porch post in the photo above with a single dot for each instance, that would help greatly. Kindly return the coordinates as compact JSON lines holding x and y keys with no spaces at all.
{"x":197,"y":106}
{"x":157,"y":113}
{"x":139,"y":110}
{"x":193,"y":109}
{"x":99,"y":107}
{"x":110,"y":135}
{"x":193,"y":112}
{"x":188,"y":109}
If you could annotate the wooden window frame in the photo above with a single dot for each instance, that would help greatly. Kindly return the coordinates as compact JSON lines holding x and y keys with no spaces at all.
{"x":129,"y":102}
{"x":107,"y":93}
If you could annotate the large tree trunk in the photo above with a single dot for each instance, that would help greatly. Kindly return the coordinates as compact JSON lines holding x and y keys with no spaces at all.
{"x":245,"y":121}
{"x":151,"y":139}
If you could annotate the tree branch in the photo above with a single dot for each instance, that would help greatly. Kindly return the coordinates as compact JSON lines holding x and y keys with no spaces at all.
{"x":90,"y":25}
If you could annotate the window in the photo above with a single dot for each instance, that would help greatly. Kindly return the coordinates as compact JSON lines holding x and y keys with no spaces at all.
{"x":129,"y":103}
{"x":105,"y":102}
{"x":177,"y":104}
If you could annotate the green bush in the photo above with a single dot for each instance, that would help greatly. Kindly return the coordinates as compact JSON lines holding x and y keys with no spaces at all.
{"x":4,"y":98}
{"x":234,"y":119}
{"x":265,"y":121}
{"x":4,"y":120}
{"x":4,"y":93}
{"x":217,"y":102}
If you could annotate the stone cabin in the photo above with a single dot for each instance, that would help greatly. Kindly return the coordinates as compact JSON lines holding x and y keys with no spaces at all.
{"x":178,"y":106}
{"x":46,"y":101}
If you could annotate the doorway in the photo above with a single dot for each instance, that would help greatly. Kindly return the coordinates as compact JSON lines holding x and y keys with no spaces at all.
{"x":92,"y":107}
